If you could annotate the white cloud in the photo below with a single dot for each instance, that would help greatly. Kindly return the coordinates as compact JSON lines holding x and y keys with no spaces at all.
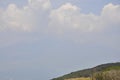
{"x":71,"y":23}
{"x":69,"y":17}
{"x":110,"y":15}
{"x":25,"y":18}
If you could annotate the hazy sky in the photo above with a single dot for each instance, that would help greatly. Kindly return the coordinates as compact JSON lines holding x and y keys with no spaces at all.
{"x":43,"y":39}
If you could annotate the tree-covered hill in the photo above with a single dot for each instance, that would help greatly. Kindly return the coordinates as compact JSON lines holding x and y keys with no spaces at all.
{"x":90,"y":71}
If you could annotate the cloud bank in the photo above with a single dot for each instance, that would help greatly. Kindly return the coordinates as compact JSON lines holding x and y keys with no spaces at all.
{"x":66,"y":17}
{"x":66,"y":20}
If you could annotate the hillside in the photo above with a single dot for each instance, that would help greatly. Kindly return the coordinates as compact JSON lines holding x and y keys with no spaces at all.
{"x":88,"y":72}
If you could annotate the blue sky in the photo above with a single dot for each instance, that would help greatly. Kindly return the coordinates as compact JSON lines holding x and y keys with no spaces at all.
{"x":43,"y":39}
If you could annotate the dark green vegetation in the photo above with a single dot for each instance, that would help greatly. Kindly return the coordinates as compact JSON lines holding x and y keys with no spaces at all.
{"x":89,"y":72}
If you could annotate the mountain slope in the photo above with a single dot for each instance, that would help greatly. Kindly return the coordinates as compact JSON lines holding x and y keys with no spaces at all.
{"x":90,"y":71}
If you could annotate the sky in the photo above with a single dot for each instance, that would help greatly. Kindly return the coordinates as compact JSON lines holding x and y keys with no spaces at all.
{"x":44,"y":39}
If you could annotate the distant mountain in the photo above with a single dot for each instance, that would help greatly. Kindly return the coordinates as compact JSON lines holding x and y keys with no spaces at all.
{"x":90,"y":71}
